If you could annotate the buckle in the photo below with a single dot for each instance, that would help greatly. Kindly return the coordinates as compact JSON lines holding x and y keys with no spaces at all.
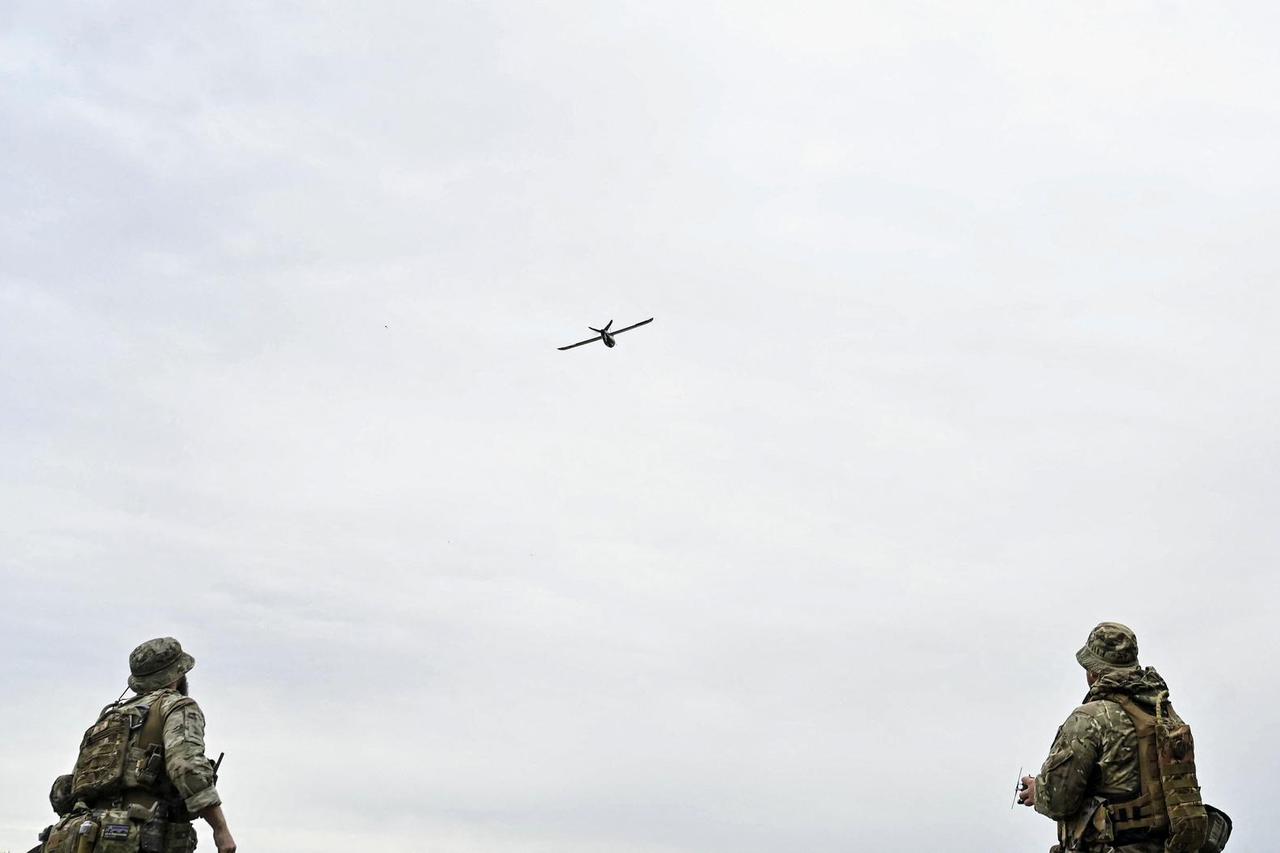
{"x":137,"y":721}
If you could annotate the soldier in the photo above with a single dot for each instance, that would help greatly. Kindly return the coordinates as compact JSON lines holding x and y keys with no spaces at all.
{"x":141,"y":775}
{"x":1120,"y":775}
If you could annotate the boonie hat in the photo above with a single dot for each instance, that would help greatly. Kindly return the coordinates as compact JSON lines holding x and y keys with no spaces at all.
{"x":156,"y":663}
{"x":1110,"y":646}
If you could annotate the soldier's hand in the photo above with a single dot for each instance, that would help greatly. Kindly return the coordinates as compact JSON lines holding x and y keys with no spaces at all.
{"x":223,"y":841}
{"x":1027,"y":796}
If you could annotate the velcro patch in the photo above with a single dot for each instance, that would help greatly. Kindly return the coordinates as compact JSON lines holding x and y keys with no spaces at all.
{"x":116,"y":830}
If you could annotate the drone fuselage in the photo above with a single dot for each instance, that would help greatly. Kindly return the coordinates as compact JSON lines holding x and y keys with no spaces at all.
{"x":606,"y":335}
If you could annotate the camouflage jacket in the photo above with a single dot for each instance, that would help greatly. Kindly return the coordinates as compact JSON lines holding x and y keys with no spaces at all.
{"x":1094,"y":756}
{"x":184,"y":760}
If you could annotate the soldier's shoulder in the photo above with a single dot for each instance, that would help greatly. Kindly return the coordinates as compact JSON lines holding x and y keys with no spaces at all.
{"x":1096,"y":707}
{"x":1103,"y":712}
{"x":167,"y":700}
{"x":1094,"y":714}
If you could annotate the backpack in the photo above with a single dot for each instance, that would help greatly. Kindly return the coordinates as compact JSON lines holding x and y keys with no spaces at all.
{"x":123,"y":750}
{"x":1168,"y":802}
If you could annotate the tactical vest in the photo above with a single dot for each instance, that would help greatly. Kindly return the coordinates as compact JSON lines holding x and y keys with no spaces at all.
{"x":1168,"y":804}
{"x":122,"y":756}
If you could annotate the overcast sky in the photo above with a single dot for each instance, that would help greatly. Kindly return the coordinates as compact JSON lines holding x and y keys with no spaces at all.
{"x":965,"y":341}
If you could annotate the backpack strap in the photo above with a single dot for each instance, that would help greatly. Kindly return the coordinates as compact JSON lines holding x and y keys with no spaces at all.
{"x":153,"y":729}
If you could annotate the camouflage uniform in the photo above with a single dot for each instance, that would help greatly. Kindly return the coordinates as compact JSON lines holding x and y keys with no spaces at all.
{"x":183,"y":783}
{"x":184,"y":760}
{"x":1094,"y":757}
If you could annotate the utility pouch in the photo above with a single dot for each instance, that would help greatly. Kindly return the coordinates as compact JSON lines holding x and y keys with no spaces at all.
{"x":151,"y":836}
{"x":61,"y":837}
{"x":86,"y":835}
{"x":1217,"y":831}
{"x":118,"y":834}
{"x":1187,"y":818}
{"x":152,"y":766}
{"x":181,"y":838}
{"x":1176,"y":755}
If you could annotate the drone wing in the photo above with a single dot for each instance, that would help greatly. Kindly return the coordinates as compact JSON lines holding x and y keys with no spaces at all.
{"x":580,"y":343}
{"x":632,"y":326}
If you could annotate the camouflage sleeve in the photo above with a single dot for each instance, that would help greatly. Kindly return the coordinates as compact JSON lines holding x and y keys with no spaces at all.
{"x":184,"y":758}
{"x":1063,"y":781}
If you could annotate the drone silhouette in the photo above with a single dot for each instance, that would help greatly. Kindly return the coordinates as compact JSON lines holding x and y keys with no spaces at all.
{"x":606,"y":335}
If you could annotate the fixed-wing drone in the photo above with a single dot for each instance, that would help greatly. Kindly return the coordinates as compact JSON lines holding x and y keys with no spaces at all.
{"x":606,"y":335}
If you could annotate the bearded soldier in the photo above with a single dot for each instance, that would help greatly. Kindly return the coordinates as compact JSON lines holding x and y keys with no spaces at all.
{"x":141,"y":775}
{"x":1121,"y":773}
